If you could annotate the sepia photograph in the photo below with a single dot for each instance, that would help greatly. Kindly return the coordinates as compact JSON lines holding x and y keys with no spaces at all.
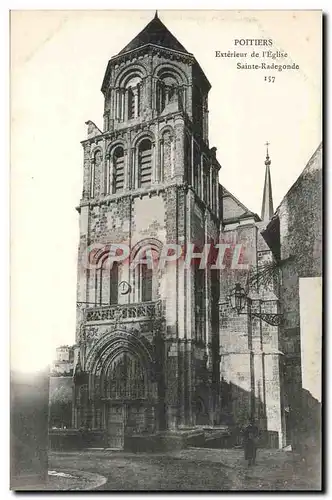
{"x":166,"y":250}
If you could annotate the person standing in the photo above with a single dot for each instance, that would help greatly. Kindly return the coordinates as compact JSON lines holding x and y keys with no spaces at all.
{"x":250,"y":437}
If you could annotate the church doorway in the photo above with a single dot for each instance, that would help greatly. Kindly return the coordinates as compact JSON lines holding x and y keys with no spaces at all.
{"x":116,"y":426}
{"x":128,"y":409}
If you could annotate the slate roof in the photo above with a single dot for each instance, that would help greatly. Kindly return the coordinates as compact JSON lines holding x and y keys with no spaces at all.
{"x":156,"y":33}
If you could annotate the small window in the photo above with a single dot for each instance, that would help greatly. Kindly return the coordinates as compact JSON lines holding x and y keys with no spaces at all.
{"x":107,"y":283}
{"x":133,"y":89}
{"x":146,"y":283}
{"x":114,"y":283}
{"x":167,"y":91}
{"x":145,"y":278}
{"x":118,"y":170}
{"x":145,"y":163}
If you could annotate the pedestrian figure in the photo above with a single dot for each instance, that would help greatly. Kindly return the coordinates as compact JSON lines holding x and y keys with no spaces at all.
{"x":250,"y":436}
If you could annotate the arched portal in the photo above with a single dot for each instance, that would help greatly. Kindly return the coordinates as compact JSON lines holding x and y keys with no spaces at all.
{"x":122,"y":390}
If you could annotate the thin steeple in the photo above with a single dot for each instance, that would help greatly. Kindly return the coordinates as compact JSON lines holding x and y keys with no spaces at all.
{"x":267,"y":205}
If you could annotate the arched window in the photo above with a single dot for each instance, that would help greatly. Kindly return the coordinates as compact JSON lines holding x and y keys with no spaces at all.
{"x":133,"y":97}
{"x":118,"y":170}
{"x":144,"y":163}
{"x":145,"y":278}
{"x":107,"y":283}
{"x":167,"y":91}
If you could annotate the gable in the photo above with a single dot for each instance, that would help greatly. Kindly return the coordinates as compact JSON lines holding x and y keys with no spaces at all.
{"x":233,"y":209}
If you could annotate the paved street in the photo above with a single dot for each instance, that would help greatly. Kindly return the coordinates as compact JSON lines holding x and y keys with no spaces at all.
{"x":190,"y":469}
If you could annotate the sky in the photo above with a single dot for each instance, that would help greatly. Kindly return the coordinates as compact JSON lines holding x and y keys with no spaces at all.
{"x":58,"y":61}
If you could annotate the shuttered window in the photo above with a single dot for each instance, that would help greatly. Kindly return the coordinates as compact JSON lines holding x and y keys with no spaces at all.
{"x":118,"y":170}
{"x":145,"y":163}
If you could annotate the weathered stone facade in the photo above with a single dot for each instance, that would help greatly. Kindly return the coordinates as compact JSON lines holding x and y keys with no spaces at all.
{"x":295,"y":236}
{"x":249,"y":346}
{"x":159,"y":335}
{"x":163,"y":354}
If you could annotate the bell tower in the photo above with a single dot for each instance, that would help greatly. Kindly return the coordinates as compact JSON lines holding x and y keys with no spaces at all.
{"x":150,"y":179}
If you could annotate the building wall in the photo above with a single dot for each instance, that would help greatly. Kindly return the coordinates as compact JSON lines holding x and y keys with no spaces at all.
{"x":300,"y":215}
{"x":64,"y":362}
{"x":249,"y":347}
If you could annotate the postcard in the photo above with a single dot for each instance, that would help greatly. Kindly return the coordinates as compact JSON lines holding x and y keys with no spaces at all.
{"x":166,"y":227}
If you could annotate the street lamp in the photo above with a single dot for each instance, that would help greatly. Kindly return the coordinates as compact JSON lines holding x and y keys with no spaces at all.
{"x":238,"y":299}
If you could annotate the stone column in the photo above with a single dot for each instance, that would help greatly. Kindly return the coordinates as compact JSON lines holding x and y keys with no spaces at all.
{"x":92,"y":177}
{"x":136,"y":112}
{"x":137,"y":169}
{"x":111,"y":174}
{"x":117,"y":104}
{"x":125,"y":105}
{"x":149,"y":97}
{"x":107,"y":177}
{"x":172,"y":385}
{"x":126,"y":171}
{"x":161,"y":161}
{"x":112,"y":104}
{"x":154,"y":163}
{"x":172,"y":155}
{"x":133,"y":168}
{"x":122,"y":105}
{"x":86,"y":171}
{"x":201,"y":178}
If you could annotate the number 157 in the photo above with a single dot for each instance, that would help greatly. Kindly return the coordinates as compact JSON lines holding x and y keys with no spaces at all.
{"x":269,"y":79}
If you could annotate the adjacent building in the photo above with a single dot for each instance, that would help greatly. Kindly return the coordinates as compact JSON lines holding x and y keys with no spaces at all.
{"x":295,"y":236}
{"x":64,"y":363}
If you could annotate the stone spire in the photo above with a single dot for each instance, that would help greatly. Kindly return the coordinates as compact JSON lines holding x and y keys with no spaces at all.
{"x":267,"y":205}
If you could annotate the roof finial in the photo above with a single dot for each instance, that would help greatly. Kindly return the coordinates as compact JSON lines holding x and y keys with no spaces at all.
{"x":156,"y":15}
{"x":267,"y":161}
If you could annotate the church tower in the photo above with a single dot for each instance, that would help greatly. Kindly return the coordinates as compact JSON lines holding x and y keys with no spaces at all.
{"x":147,"y":336}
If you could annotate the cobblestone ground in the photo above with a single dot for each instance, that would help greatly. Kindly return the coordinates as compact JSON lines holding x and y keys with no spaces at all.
{"x":192,"y":469}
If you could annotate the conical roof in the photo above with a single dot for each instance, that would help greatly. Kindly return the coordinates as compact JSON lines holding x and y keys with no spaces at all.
{"x":156,"y":33}
{"x":267,"y":204}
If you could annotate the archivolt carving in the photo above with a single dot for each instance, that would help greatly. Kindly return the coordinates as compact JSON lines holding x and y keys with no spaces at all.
{"x":111,"y":345}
